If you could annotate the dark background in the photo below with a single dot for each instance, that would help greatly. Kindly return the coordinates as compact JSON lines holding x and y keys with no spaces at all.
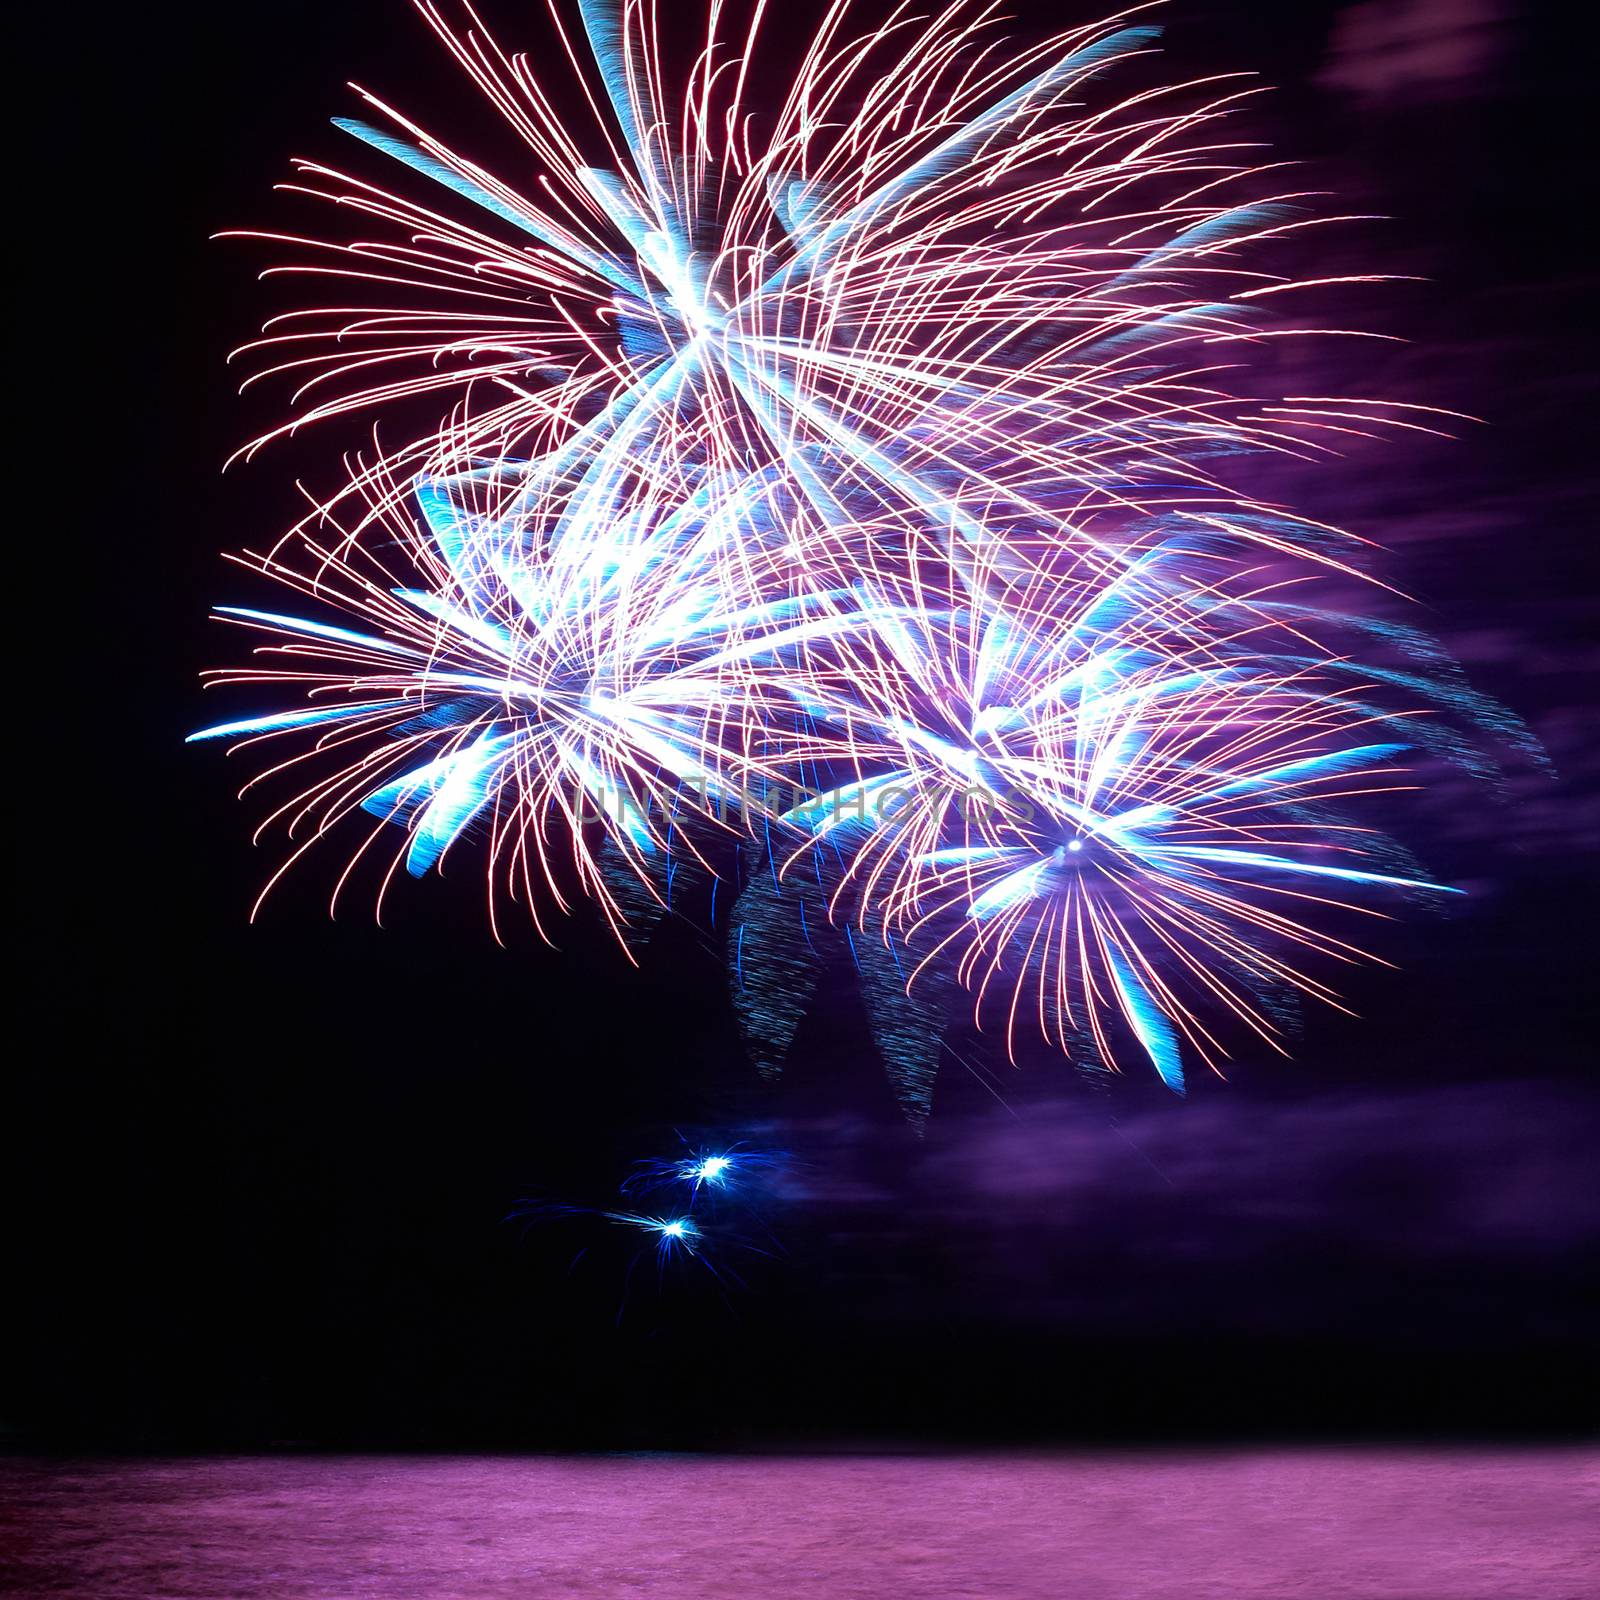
{"x":265,"y":1170}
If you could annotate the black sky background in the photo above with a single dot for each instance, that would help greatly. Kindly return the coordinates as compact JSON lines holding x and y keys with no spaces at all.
{"x":264,"y":1171}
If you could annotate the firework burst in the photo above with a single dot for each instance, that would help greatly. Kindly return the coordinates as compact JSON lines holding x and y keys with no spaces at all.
{"x":863,"y":437}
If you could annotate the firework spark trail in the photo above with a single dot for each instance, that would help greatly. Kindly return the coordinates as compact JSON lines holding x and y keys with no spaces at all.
{"x":870,"y":444}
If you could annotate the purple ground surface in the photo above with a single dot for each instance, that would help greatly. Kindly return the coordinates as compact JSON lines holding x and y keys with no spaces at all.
{"x":1395,"y":1524}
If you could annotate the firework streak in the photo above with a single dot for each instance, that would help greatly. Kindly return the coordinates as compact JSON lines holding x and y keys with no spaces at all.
{"x":838,"y":463}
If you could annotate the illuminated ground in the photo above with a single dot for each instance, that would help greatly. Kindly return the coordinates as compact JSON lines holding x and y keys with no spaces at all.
{"x":1391,"y":1525}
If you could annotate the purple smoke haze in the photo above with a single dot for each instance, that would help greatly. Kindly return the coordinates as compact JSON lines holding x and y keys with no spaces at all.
{"x":1294,"y":1216}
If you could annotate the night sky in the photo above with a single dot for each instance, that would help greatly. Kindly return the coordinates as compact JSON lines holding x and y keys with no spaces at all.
{"x":291,"y":1183}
